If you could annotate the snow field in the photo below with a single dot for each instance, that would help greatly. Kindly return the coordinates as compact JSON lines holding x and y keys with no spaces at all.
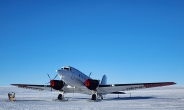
{"x":162,"y":98}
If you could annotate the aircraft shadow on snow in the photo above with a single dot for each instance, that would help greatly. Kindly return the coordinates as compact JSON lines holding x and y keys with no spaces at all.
{"x":121,"y":98}
{"x":27,"y":100}
{"x":105,"y":99}
{"x":128,"y":98}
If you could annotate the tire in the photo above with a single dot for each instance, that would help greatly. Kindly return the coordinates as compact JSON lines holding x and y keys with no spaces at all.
{"x":60,"y":97}
{"x":93,"y":97}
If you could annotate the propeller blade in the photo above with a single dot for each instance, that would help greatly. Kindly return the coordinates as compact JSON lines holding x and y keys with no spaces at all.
{"x":55,"y":76}
{"x":51,"y":80}
{"x":49,"y":76}
{"x":90,"y":74}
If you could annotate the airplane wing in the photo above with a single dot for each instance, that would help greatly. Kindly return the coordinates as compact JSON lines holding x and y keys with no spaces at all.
{"x":110,"y":88}
{"x":33,"y":87}
{"x":107,"y":89}
{"x":66,"y":88}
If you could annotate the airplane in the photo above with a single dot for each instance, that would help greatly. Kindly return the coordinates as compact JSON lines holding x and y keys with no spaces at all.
{"x":74,"y":81}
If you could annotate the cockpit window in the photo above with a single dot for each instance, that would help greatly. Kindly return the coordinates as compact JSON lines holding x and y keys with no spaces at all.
{"x":66,"y":68}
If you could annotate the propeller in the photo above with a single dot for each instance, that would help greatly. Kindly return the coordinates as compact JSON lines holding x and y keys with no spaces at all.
{"x":90,"y":74}
{"x":86,"y":82}
{"x":51,"y":81}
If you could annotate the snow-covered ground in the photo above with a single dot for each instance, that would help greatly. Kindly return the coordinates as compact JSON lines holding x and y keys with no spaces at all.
{"x":162,"y":98}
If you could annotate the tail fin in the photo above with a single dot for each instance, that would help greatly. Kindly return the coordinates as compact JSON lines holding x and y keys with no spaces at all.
{"x":104,"y":80}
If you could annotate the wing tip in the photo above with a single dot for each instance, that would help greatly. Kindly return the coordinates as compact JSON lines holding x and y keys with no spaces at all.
{"x":173,"y":83}
{"x":13,"y":84}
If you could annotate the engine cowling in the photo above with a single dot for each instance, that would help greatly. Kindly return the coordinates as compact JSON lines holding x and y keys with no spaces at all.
{"x":57,"y":84}
{"x":91,"y":84}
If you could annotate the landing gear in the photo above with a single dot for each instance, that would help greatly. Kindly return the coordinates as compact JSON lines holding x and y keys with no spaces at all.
{"x":60,"y":97}
{"x":94,"y":95}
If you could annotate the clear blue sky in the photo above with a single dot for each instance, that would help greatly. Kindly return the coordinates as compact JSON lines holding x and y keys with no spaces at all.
{"x":131,"y":41}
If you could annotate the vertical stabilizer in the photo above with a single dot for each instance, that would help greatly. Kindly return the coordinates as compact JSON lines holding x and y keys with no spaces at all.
{"x":104,"y":80}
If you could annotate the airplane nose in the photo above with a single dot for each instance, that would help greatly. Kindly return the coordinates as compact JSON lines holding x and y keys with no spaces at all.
{"x":60,"y":72}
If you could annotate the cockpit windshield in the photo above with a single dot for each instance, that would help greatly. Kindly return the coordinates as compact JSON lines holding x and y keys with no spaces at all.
{"x":66,"y":68}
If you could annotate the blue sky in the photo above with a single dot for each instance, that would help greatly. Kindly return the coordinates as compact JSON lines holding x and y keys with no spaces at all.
{"x":131,"y":41}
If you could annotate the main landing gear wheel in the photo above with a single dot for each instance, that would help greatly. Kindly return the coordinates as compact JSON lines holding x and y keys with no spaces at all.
{"x":60,"y":97}
{"x":93,"y":97}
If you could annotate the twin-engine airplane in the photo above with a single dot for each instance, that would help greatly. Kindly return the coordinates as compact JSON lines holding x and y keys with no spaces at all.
{"x":72,"y":80}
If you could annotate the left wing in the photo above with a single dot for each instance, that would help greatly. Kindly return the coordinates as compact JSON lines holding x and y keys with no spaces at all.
{"x":110,"y":88}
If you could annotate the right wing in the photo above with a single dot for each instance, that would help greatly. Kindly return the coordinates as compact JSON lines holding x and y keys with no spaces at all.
{"x":33,"y":87}
{"x":66,"y":88}
{"x":110,"y":88}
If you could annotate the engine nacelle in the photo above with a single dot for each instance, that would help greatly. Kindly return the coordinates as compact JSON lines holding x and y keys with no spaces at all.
{"x":57,"y":84}
{"x":91,"y":84}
